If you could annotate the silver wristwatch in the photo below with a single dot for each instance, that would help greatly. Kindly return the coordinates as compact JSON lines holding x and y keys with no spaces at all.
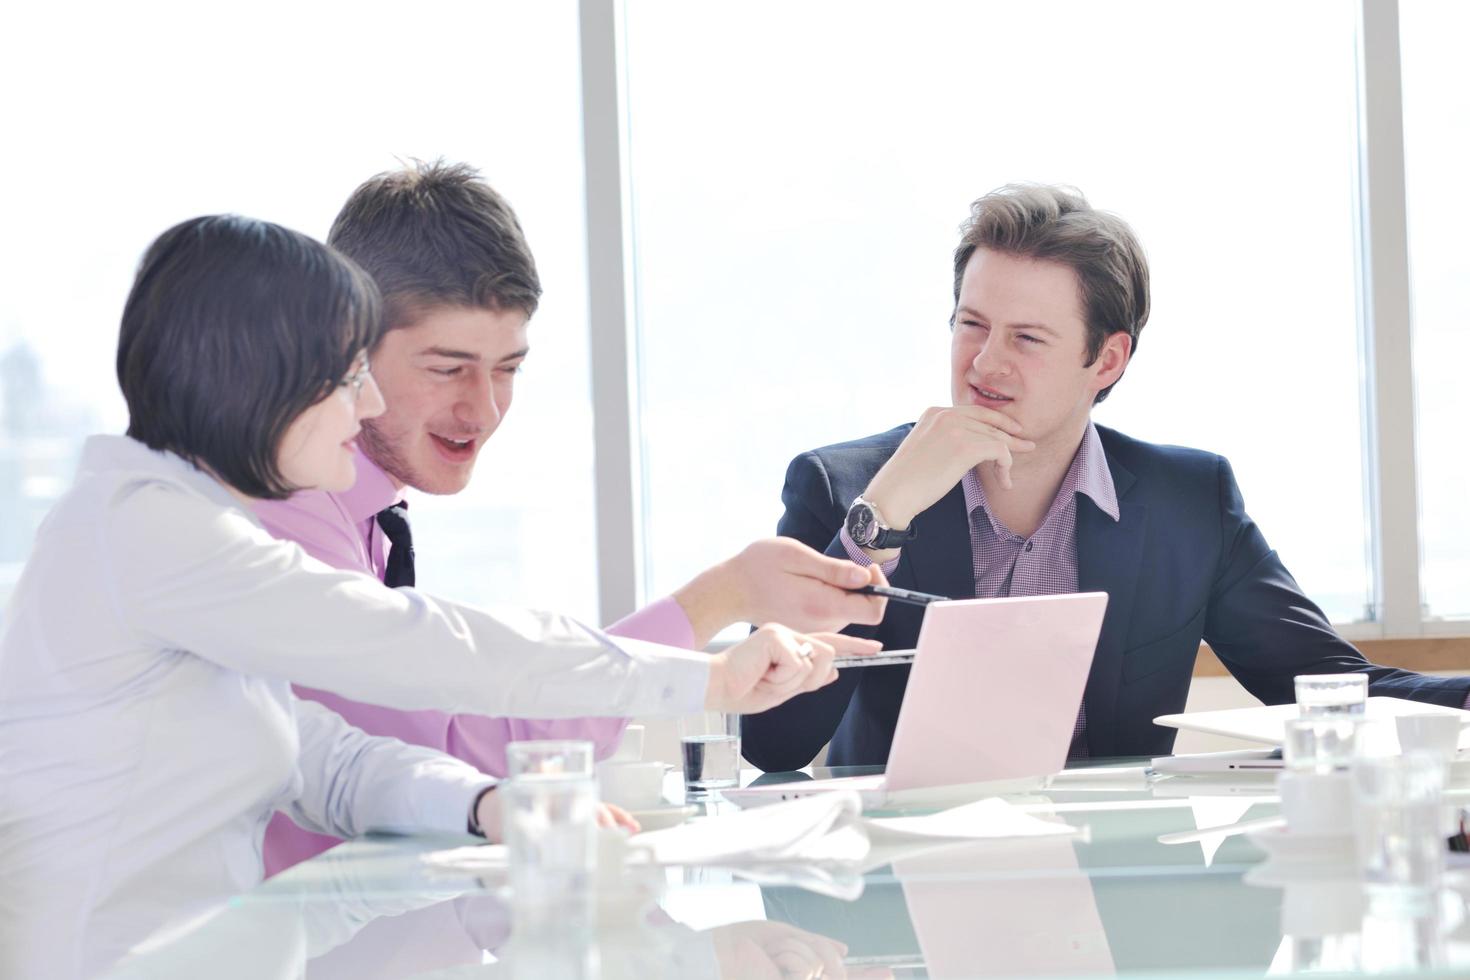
{"x":868,"y":529}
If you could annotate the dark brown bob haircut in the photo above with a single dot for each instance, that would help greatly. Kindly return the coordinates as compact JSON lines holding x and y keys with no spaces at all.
{"x":233,"y":328}
{"x":1056,"y":224}
{"x":435,"y":234}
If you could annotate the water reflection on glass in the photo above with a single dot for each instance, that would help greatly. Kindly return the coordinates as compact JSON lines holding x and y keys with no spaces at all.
{"x":1321,"y":914}
{"x":1402,"y":934}
{"x":1040,"y":914}
{"x":1397,"y":820}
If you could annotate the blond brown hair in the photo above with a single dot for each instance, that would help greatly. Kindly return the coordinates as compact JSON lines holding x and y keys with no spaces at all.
{"x":435,"y":234}
{"x":1056,"y":224}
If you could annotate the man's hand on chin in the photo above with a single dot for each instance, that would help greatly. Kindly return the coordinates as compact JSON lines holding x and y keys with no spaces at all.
{"x":942,"y":446}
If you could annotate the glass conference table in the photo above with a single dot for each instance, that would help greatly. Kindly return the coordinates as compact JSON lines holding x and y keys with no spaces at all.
{"x":1144,"y":889}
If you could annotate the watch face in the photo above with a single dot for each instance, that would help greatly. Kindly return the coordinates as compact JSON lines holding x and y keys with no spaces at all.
{"x":860,"y":525}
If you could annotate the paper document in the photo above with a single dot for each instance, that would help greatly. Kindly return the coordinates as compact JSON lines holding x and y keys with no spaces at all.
{"x":828,"y":828}
{"x":1268,"y":722}
{"x":973,"y":821}
{"x":815,"y":828}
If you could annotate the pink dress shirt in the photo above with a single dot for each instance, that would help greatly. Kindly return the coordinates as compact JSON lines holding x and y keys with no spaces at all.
{"x":340,"y":529}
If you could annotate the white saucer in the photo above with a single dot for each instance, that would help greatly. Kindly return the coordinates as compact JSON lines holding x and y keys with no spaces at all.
{"x":661,"y":817}
{"x":1282,"y":845}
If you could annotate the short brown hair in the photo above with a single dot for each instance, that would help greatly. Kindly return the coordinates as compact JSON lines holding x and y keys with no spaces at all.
{"x":233,"y":328}
{"x":1042,"y":221}
{"x":435,"y":234}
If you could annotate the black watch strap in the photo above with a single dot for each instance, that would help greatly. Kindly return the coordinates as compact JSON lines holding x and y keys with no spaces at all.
{"x":865,"y":524}
{"x":890,"y":538}
{"x":473,"y":824}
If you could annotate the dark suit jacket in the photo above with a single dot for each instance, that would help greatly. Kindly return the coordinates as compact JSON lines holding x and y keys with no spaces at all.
{"x":1183,"y":563}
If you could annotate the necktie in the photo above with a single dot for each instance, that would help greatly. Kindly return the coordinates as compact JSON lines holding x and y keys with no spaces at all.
{"x":394,"y":522}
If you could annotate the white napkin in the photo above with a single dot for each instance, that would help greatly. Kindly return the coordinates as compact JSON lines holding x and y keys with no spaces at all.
{"x":814,"y":828}
{"x":973,"y":821}
{"x":824,"y":829}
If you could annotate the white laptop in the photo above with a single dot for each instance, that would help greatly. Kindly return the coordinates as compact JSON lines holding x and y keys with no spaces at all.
{"x":992,"y":699}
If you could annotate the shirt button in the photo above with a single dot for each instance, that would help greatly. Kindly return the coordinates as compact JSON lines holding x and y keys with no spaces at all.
{"x":1029,"y":544}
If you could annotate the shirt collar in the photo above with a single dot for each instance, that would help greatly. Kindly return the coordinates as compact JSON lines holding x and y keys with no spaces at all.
{"x":101,"y":454}
{"x":373,"y":491}
{"x":1088,"y":474}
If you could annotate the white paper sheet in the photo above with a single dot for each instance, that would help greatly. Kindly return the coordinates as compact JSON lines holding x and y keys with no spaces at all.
{"x":827,"y":829}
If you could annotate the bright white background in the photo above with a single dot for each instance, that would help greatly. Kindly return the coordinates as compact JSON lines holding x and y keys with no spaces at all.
{"x":799,"y":171}
{"x":799,"y":175}
{"x":120,"y":120}
{"x":1437,"y":158}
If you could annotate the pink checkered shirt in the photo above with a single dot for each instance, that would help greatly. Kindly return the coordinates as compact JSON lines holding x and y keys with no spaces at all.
{"x":1006,"y":564}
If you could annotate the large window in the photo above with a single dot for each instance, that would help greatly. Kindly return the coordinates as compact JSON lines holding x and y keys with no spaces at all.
{"x":1437,"y":160}
{"x":795,"y":175}
{"x":799,"y":173}
{"x":130,"y":117}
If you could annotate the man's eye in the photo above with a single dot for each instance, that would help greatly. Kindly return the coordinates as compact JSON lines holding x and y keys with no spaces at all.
{"x":447,"y":372}
{"x":510,"y":370}
{"x":1030,"y":339}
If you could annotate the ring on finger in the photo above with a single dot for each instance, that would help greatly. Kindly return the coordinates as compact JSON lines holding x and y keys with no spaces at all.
{"x":804,"y":651}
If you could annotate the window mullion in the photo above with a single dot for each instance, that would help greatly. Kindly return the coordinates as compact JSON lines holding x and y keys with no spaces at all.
{"x":609,"y":321}
{"x":1385,"y":312}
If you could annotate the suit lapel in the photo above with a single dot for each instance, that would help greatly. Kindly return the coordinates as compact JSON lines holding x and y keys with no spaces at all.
{"x":1108,"y":557}
{"x":943,"y":562}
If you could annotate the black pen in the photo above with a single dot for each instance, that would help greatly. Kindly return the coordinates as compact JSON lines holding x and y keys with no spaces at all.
{"x":900,"y":595}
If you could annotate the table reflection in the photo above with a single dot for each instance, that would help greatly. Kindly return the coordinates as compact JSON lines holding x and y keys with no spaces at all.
{"x":347,"y":924}
{"x":1158,"y":882}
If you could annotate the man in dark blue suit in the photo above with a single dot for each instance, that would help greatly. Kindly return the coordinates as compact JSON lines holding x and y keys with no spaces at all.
{"x":1012,"y":490}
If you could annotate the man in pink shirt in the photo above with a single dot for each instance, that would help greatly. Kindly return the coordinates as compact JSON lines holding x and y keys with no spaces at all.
{"x":459,"y":286}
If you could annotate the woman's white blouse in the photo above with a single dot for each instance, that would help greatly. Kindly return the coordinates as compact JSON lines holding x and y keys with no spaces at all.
{"x":148,"y":730}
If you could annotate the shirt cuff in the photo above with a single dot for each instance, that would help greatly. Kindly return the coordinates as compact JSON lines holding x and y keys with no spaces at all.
{"x":446,"y":802}
{"x":860,"y":557}
{"x":667,"y":681}
{"x":661,"y":622}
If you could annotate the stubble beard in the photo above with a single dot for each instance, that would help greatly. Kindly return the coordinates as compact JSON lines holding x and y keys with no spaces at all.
{"x":382,"y":450}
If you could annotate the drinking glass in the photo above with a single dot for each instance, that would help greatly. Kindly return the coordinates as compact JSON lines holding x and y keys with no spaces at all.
{"x":1319,"y":744}
{"x":1328,"y":695}
{"x":1401,"y":848}
{"x":565,"y":756}
{"x":711,"y":749}
{"x":549,"y":815}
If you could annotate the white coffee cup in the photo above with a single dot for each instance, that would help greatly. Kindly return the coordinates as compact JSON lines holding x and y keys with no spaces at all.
{"x":1316,"y":803}
{"x":630,"y":749}
{"x":1439,"y":734}
{"x":631,"y":785}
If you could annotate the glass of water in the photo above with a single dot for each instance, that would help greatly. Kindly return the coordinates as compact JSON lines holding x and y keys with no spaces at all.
{"x":567,"y":756}
{"x":1320,"y":744}
{"x":711,"y":747}
{"x":549,"y":815}
{"x":1332,"y":695}
{"x":1396,"y":799}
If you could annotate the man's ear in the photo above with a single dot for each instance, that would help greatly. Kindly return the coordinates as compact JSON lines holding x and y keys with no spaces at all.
{"x":1112,"y":360}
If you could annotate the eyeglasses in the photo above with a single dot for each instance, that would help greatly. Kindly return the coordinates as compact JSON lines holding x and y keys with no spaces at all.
{"x":356,"y":380}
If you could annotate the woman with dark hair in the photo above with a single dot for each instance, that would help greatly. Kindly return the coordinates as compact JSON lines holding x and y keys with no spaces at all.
{"x":147,"y":727}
